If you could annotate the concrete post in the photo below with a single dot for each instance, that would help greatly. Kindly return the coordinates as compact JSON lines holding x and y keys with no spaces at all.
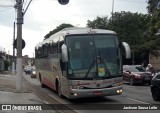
{"x":19,"y":46}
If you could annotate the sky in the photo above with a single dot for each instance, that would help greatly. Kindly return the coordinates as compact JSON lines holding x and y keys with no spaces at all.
{"x":43,"y":16}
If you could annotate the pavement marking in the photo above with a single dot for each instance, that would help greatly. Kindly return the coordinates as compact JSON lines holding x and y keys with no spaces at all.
{"x":7,"y":75}
{"x":138,"y":101}
{"x":53,"y":96}
{"x":45,"y":102}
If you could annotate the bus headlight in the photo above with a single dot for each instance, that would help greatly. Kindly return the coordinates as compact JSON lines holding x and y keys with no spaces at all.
{"x":119,"y":91}
{"x":75,"y":94}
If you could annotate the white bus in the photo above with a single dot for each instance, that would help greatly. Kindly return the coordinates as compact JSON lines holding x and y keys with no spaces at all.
{"x":81,"y":62}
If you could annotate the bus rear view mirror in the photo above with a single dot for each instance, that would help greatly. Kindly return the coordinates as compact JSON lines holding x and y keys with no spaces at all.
{"x":127,"y":50}
{"x":64,"y":53}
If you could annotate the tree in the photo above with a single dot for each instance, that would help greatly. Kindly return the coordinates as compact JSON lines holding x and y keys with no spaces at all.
{"x":155,"y":17}
{"x":154,"y":27}
{"x":99,"y":22}
{"x":130,"y":27}
{"x":60,"y":27}
{"x":133,"y":29}
{"x":6,"y":64}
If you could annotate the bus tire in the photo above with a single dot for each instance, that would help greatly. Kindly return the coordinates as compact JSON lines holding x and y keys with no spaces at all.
{"x":58,"y":87}
{"x":41,"y":83}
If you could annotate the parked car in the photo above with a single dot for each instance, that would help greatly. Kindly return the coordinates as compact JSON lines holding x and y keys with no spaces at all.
{"x":28,"y":69}
{"x":136,"y":74}
{"x":33,"y":73}
{"x":155,"y":87}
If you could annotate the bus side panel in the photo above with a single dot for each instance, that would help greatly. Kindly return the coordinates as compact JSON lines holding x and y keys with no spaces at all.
{"x":45,"y":71}
{"x":63,"y":81}
{"x":65,"y":85}
{"x":47,"y":79}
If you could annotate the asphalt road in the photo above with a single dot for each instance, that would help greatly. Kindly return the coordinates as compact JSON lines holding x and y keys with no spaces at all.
{"x":133,"y":96}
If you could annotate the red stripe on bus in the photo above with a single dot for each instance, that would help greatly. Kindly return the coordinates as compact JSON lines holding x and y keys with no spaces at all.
{"x":48,"y":83}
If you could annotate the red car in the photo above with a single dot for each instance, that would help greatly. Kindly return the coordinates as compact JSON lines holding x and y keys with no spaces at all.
{"x":135,"y":74}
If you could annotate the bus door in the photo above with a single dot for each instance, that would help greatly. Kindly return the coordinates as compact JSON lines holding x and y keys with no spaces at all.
{"x":64,"y":83}
{"x":63,"y":78}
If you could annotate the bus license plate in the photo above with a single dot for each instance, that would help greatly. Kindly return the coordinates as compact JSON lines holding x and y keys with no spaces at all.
{"x":98,"y":93}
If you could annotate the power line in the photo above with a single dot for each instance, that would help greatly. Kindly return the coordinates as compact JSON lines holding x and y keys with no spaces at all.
{"x":131,"y":1}
{"x":5,"y":9}
{"x":27,"y":7}
{"x":6,"y":3}
{"x":2,"y":5}
{"x":13,"y":1}
{"x":25,"y":3}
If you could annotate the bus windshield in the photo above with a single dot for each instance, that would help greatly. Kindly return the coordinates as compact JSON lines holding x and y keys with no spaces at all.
{"x":84,"y":51}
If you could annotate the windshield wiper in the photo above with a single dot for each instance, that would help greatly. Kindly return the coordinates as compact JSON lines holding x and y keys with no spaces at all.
{"x":107,"y":72}
{"x":105,"y":66}
{"x":90,"y":67}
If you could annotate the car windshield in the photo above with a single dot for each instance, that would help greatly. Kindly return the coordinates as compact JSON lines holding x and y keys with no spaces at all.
{"x":28,"y":68}
{"x":83,"y":52}
{"x":137,"y":69}
{"x":33,"y":68}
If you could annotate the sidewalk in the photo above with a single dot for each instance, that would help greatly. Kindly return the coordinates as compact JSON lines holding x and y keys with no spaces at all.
{"x":9,"y":95}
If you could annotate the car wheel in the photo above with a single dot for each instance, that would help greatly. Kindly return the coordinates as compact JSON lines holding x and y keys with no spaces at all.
{"x":131,"y":81}
{"x":156,"y":94}
{"x":149,"y":83}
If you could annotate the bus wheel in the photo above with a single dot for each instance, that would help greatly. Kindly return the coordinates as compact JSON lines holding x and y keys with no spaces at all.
{"x":42,"y":85}
{"x":59,"y":90}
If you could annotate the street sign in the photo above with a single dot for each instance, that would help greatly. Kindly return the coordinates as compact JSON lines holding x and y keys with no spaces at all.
{"x":63,"y":2}
{"x":15,"y":44}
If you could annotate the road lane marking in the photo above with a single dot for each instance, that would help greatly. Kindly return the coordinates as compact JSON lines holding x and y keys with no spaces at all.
{"x":45,"y":102}
{"x":138,"y":101}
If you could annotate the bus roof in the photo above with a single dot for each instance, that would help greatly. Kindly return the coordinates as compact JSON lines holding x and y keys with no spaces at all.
{"x":71,"y":31}
{"x":84,"y":30}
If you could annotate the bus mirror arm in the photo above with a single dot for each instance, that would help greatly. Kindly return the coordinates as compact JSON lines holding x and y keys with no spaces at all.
{"x":64,"y":53}
{"x":127,"y":50}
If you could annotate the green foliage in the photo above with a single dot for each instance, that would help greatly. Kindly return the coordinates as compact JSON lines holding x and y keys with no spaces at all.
{"x":154,"y":27}
{"x":60,"y":27}
{"x":99,"y":22}
{"x":6,"y":64}
{"x":155,"y":17}
{"x":130,"y":27}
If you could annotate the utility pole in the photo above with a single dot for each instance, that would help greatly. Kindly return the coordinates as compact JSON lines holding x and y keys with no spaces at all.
{"x":13,"y":59}
{"x":112,"y":8}
{"x":19,"y":45}
{"x":20,"y":15}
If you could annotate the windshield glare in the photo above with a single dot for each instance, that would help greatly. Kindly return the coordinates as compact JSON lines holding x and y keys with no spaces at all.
{"x":83,"y":53}
{"x":137,"y":69}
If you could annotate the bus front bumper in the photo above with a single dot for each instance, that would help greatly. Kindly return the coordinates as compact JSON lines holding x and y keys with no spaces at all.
{"x":82,"y":93}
